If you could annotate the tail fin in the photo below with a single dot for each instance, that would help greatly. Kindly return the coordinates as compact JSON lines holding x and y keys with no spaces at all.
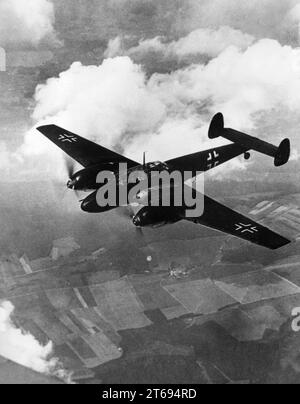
{"x":283,"y":153}
{"x":280,"y":154}
{"x":216,"y":128}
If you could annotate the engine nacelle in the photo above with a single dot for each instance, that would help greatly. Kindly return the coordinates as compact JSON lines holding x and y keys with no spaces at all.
{"x":90,"y":205}
{"x":86,"y":180}
{"x":156,"y":216}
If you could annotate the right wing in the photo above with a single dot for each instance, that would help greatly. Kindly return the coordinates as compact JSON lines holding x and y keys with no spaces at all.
{"x":226,"y":220}
{"x":84,"y":151}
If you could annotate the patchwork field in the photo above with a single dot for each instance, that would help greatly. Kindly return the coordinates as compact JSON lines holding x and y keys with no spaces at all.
{"x":217,"y":315}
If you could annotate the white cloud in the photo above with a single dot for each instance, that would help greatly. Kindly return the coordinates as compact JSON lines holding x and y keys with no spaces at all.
{"x":24,"y":349}
{"x":5,"y":156}
{"x":203,"y":41}
{"x":238,"y":83}
{"x":292,"y":20}
{"x":107,"y":103}
{"x":113,"y":97}
{"x":114,"y":48}
{"x":168,"y":115}
{"x":261,"y":18}
{"x":26,"y":21}
{"x":294,"y":13}
{"x":211,"y":42}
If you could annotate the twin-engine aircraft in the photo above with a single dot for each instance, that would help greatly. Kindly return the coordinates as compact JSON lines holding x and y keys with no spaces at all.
{"x":96,"y":159}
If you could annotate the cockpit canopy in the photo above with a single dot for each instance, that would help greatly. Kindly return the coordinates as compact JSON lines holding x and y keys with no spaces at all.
{"x":157,"y":165}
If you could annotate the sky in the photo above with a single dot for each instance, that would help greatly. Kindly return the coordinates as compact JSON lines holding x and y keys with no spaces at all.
{"x":138,"y":75}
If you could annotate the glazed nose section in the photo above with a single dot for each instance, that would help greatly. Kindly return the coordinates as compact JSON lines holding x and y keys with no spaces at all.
{"x":137,"y":221}
{"x":71,"y":184}
{"x":90,"y":204}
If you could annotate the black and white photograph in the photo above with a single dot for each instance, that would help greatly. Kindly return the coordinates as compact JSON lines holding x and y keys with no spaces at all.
{"x":150,"y":194}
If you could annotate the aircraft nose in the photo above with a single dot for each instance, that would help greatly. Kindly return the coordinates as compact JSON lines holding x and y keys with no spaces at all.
{"x":90,"y":205}
{"x":137,"y":221}
{"x":71,"y":184}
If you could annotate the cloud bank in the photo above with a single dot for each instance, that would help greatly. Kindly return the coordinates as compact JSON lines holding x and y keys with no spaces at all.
{"x":23,"y":349}
{"x":118,"y":105}
{"x":158,"y":93}
{"x":272,"y":19}
{"x":261,"y":18}
{"x":26,"y":21}
{"x":206,"y":42}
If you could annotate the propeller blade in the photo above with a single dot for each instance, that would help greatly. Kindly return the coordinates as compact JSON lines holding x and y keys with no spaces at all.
{"x":126,"y":212}
{"x":75,"y":192}
{"x":70,"y":166}
{"x":140,"y":232}
{"x":78,"y":195}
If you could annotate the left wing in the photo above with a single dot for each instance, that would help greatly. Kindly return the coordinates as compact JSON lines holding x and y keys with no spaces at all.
{"x":84,"y":151}
{"x":219,"y":217}
{"x":208,"y":159}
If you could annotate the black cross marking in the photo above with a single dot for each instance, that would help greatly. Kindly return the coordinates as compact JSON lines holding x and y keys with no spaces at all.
{"x":246,"y":228}
{"x":68,"y":138}
{"x":212,"y":157}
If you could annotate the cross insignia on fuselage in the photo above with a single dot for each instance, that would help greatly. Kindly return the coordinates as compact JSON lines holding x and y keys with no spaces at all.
{"x":246,"y":228}
{"x":212,"y":157}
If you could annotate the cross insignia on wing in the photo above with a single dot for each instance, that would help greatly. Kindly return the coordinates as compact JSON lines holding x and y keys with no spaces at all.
{"x":246,"y":228}
{"x":68,"y":138}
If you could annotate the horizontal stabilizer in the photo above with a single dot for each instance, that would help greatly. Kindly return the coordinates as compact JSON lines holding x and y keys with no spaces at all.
{"x":280,"y":154}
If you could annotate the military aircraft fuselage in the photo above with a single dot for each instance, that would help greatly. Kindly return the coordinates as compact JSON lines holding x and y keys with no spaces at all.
{"x":89,"y":180}
{"x":157,"y":217}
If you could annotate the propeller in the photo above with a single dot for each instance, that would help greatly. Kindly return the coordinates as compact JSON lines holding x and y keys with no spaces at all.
{"x":140,"y":232}
{"x":128,"y":213}
{"x":70,"y":166}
